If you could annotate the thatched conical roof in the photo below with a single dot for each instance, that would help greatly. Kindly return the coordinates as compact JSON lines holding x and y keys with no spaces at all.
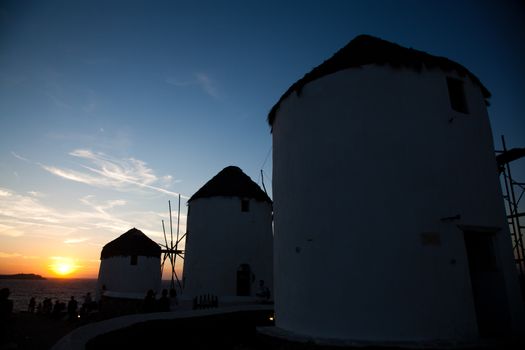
{"x":231,"y":182}
{"x":133,"y":242}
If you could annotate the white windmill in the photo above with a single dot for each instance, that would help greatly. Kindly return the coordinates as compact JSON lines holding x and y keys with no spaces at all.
{"x":171,"y":250}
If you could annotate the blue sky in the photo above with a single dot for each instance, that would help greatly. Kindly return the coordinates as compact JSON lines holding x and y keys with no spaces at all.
{"x":110,"y":108}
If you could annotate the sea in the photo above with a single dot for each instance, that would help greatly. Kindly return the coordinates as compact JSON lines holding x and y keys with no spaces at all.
{"x":62,"y":289}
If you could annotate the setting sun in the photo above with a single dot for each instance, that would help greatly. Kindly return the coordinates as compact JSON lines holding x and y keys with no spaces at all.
{"x":63,"y":266}
{"x":63,"y":269}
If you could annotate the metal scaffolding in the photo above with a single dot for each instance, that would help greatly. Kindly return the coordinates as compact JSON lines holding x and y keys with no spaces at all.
{"x":513,"y":192}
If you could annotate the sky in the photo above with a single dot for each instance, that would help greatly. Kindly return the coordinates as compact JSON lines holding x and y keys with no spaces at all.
{"x":109,"y":109}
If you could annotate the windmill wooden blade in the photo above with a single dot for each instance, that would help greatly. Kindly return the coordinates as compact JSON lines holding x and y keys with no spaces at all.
{"x":171,"y":250}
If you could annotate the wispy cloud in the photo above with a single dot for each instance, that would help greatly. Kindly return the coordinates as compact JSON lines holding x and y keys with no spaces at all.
{"x":58,"y":101}
{"x":10,"y":231}
{"x":180,"y":83}
{"x":36,"y":194}
{"x":201,"y":80}
{"x":22,"y":214}
{"x":207,"y":84}
{"x":76,"y":240}
{"x":106,"y":171}
{"x":102,"y":211}
{"x":17,"y":208}
{"x":16,"y":255}
{"x":5,"y":193}
{"x":102,"y":207}
{"x":19,"y":157}
{"x":149,"y":221}
{"x":55,"y":90}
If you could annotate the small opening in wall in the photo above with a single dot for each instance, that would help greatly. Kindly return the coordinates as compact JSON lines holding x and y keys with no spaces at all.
{"x":456,"y":93}
{"x":133,"y":260}
{"x":245,"y":205}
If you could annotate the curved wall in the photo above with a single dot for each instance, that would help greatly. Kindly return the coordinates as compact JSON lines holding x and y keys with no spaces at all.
{"x":118,"y":275}
{"x":367,"y":163}
{"x":220,"y":238}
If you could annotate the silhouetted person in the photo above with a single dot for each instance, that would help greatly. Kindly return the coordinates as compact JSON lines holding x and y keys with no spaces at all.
{"x":6,"y":309}
{"x":173,"y":295}
{"x":149,"y":302}
{"x":31,"y":305}
{"x":88,"y":303}
{"x":47,"y":306}
{"x":57,"y":308}
{"x":72,"y":308}
{"x":6,"y":305}
{"x":264,"y":292}
{"x":163,"y":304}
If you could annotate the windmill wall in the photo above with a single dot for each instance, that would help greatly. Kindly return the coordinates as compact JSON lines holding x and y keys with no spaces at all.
{"x":220,"y":238}
{"x":123,"y":279}
{"x":379,"y":186}
{"x":129,"y":266}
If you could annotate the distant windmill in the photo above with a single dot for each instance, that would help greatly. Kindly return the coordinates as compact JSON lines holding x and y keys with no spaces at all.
{"x":171,"y":250}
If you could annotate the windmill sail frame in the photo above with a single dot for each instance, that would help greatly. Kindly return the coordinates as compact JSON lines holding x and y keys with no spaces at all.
{"x":171,"y":249}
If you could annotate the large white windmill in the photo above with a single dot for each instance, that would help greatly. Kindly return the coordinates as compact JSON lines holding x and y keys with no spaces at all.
{"x":171,"y":250}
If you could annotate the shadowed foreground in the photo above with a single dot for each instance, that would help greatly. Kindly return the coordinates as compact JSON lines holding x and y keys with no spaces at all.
{"x":34,"y":332}
{"x":234,"y":330}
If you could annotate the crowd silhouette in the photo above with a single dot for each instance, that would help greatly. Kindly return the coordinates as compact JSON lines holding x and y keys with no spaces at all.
{"x":151,"y":304}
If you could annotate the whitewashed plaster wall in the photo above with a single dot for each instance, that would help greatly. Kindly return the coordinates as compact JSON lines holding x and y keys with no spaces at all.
{"x":118,"y":275}
{"x":366,"y":162}
{"x":220,"y":238}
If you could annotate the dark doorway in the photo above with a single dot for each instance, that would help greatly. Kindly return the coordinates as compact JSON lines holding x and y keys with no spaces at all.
{"x":488,"y":284}
{"x":244,"y":275}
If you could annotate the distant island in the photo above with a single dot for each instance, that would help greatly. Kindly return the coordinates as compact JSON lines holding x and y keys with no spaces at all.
{"x":22,"y":276}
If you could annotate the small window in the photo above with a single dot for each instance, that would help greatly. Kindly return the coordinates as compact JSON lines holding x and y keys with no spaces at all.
{"x":456,"y":93}
{"x":133,"y":260}
{"x":245,"y":205}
